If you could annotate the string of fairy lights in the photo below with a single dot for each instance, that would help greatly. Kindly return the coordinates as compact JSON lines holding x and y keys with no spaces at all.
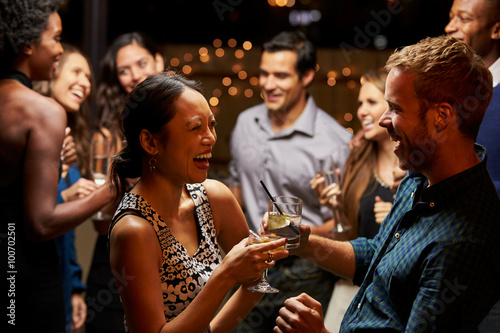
{"x":236,"y":79}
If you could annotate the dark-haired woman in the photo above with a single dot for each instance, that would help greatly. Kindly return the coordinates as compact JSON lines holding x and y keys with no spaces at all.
{"x":71,"y":87}
{"x":129,"y":60}
{"x":32,"y":131}
{"x":166,"y":233}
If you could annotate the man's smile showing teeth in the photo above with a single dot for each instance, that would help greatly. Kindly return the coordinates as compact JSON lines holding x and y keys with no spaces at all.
{"x":397,"y":140}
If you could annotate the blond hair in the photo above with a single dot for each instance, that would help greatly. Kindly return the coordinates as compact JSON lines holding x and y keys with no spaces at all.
{"x":360,"y":163}
{"x":448,"y":70}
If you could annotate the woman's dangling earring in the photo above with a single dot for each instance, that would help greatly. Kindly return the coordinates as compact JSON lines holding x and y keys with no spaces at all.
{"x":152,"y":164}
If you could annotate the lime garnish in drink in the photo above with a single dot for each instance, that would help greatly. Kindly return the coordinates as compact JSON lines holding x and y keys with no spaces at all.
{"x":278,"y":221}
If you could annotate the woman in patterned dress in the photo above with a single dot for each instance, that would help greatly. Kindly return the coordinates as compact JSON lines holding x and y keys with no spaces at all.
{"x":166,"y":233}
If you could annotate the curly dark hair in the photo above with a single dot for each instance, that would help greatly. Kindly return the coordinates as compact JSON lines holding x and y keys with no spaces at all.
{"x":22,"y":23}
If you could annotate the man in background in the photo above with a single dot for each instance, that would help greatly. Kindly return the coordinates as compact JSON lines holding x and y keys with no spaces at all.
{"x":477,"y":23}
{"x":279,"y":142}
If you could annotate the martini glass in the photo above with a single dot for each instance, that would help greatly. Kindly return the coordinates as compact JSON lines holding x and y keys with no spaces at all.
{"x":263,"y":286}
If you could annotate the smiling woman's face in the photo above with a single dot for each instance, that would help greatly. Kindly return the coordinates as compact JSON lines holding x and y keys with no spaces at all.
{"x":371,"y":105}
{"x":134,"y":63}
{"x":71,"y":86}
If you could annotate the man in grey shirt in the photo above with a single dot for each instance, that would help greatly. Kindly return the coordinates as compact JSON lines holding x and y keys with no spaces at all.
{"x":279,"y":142}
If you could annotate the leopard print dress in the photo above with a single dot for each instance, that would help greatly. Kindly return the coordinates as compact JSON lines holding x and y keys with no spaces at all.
{"x":182,"y":276}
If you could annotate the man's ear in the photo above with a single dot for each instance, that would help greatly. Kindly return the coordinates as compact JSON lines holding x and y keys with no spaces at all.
{"x":445,"y":115}
{"x":495,"y":31}
{"x":308,"y":77}
{"x":148,"y":142}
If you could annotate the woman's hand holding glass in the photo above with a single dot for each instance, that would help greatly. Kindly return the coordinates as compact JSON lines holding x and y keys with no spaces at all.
{"x":326,"y":184}
{"x":328,"y":192}
{"x":246,"y":262}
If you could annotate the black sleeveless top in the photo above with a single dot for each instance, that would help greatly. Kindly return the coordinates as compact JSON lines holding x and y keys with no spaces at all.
{"x":367,"y":226}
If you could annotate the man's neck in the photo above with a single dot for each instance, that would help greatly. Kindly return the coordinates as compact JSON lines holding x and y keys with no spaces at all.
{"x":286,"y":118}
{"x":451,"y":162}
{"x":492,"y":56}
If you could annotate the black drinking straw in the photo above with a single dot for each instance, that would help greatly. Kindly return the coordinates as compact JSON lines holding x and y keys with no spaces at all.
{"x":277,"y":207}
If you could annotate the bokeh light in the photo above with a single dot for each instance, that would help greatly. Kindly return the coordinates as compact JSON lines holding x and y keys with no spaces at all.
{"x":232,"y":91}
{"x":186,"y":69}
{"x":232,"y":42}
{"x":214,"y":101}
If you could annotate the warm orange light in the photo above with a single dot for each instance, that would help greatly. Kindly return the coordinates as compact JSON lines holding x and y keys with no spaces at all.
{"x":217,"y":92}
{"x":242,"y":75}
{"x":351,"y":84}
{"x":232,"y":91}
{"x":348,"y":117}
{"x":331,"y":81}
{"x":236,"y":68}
{"x":186,"y":69}
{"x":239,"y":54}
{"x":219,"y":52}
{"x":248,"y":93}
{"x":232,"y":42}
{"x":188,"y":57}
{"x":174,"y":62}
{"x":346,"y":71}
{"x":214,"y":101}
{"x":227,"y":81}
{"x":203,"y":51}
{"x":204,"y":58}
{"x":254,"y":81}
{"x":217,"y":43}
{"x":247,"y":45}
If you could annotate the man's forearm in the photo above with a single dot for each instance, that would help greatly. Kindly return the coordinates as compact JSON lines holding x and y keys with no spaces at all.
{"x":334,"y":256}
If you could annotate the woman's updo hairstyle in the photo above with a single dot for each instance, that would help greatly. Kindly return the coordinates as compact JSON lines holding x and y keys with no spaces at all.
{"x":149,"y":106}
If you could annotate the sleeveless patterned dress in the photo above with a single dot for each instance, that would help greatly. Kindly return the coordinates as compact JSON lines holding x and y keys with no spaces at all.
{"x":182,"y":276}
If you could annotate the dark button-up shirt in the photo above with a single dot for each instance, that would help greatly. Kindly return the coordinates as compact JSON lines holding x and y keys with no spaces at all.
{"x":434,"y":266}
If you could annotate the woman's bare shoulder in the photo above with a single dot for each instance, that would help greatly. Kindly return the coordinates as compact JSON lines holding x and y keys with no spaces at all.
{"x":15,"y":96}
{"x":216,"y":188}
{"x":130,"y":224}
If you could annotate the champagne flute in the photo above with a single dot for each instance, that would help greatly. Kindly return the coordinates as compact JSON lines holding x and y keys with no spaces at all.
{"x":100,"y":154}
{"x":100,"y":151}
{"x":332,"y":177}
{"x":327,"y":167}
{"x":263,"y":286}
